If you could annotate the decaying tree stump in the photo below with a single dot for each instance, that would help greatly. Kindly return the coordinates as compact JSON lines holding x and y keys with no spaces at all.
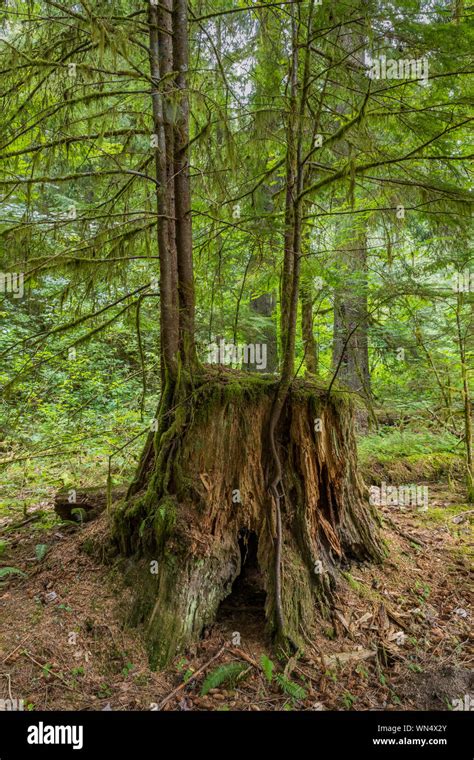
{"x":204,"y":484}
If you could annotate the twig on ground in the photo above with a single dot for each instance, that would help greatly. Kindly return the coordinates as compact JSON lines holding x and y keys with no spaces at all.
{"x":50,"y":672}
{"x":14,"y":650}
{"x":191,"y":678}
{"x":402,"y":533}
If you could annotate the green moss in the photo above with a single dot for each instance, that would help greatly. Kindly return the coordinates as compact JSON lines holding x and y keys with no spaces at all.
{"x":443,"y":514}
{"x":355,"y":585}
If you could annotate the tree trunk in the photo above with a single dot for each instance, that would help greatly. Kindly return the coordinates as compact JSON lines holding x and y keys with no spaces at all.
{"x":350,"y":347}
{"x":466,"y":396}
{"x":207,"y":484}
{"x":183,"y":224}
{"x":264,"y":306}
{"x":169,"y":315}
{"x":309,"y":343}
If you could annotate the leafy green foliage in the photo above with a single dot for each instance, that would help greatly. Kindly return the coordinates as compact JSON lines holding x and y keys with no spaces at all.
{"x":288,"y":686}
{"x":228,"y":673}
{"x":40,"y":551}
{"x":6,"y":571}
{"x":267,"y":667}
{"x":293,"y":689}
{"x":76,"y":385}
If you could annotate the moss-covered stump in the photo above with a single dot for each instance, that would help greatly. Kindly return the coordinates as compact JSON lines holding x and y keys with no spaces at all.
{"x":206,"y":480}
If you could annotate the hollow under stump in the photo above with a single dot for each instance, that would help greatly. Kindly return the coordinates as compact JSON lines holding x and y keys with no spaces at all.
{"x":203,"y":481}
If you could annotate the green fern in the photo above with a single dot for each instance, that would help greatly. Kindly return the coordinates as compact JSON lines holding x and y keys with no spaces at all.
{"x":224,"y":673}
{"x":294,"y":690}
{"x":40,"y":551}
{"x":4,"y":571}
{"x":267,"y":667}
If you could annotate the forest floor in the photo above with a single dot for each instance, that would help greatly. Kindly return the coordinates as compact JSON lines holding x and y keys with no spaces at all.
{"x":399,"y":637}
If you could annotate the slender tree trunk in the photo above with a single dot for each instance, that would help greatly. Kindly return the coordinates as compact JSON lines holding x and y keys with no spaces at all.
{"x":290,"y":192}
{"x":290,"y":286}
{"x":467,"y":403}
{"x":350,"y":346}
{"x":264,"y":306}
{"x":309,"y":343}
{"x":168,"y":266}
{"x":184,"y":239}
{"x":165,"y":40}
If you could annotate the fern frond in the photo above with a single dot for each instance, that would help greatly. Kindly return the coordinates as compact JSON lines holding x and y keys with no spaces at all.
{"x":224,"y":673}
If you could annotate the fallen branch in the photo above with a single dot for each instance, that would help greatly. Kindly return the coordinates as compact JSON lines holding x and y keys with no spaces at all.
{"x":244,"y":656}
{"x":50,"y":672}
{"x":14,"y":650}
{"x":402,"y":533}
{"x":460,"y":517}
{"x":191,"y":678}
{"x":14,"y":526}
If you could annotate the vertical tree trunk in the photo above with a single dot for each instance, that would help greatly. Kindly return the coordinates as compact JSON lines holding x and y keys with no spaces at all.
{"x":159,"y":61}
{"x":264,"y":306}
{"x":467,"y":403}
{"x":290,"y":190}
{"x":350,"y":343}
{"x":309,"y":343}
{"x":291,"y":283}
{"x":184,"y":240}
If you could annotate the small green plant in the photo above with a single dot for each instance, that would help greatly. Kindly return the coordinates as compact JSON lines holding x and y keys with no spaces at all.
{"x":267,"y":667}
{"x":348,"y":700}
{"x":127,"y":669}
{"x":181,"y":664}
{"x":5,"y":571}
{"x":229,"y":673}
{"x":40,"y":551}
{"x":79,"y":514}
{"x":78,"y":671}
{"x":293,"y":689}
{"x":289,"y":687}
{"x":424,"y":591}
{"x":362,"y":670}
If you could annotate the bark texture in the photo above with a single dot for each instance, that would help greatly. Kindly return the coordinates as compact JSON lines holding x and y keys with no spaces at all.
{"x":204,"y":483}
{"x":350,"y":350}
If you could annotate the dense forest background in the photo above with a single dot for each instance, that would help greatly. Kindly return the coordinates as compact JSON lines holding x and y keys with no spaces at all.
{"x":289,"y":128}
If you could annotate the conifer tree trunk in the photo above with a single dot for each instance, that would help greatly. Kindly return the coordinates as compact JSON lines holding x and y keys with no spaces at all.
{"x":350,"y":347}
